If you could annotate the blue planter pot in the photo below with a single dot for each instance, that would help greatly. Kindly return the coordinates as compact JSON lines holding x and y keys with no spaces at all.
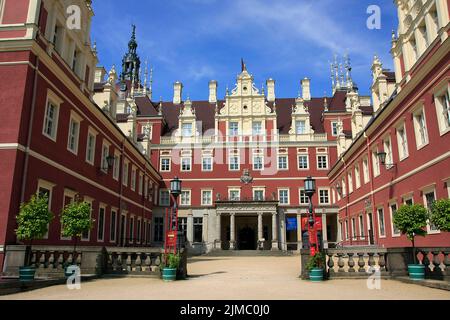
{"x":416,"y":271}
{"x":169,"y":274}
{"x":316,"y":275}
{"x":27,"y":273}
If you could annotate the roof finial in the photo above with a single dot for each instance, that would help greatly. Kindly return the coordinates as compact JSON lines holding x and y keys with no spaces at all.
{"x":160,"y":106}
{"x":151,"y":84}
{"x":348,"y":68}
{"x":145,"y":76}
{"x":243,"y":66}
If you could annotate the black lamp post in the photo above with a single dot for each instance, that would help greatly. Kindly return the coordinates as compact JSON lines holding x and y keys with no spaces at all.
{"x":175,"y":190}
{"x":310,"y":190}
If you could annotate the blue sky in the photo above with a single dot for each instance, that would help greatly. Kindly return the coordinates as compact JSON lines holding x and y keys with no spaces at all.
{"x":195,"y":41}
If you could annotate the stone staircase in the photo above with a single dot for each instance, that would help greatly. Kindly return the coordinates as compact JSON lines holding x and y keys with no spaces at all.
{"x":248,"y":253}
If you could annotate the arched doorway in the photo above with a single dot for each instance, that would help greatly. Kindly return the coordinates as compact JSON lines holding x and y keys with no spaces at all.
{"x":247,"y":239}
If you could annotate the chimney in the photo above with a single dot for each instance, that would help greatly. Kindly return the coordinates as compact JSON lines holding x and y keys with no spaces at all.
{"x":306,"y":89}
{"x":177,"y":92}
{"x":270,"y":90}
{"x":213,"y":91}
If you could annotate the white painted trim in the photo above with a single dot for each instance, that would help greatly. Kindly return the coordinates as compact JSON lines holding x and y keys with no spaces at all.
{"x":384,"y":223}
{"x":12,"y":146}
{"x":255,"y":179}
{"x":101,"y":206}
{"x":116,"y":211}
{"x":393,"y":234}
{"x":201,"y":195}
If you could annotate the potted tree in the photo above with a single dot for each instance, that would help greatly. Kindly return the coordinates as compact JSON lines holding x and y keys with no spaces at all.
{"x":170,"y":265}
{"x":440,"y":214}
{"x":33,"y":220}
{"x":316,"y":267}
{"x":412,"y":220}
{"x":75,"y":220}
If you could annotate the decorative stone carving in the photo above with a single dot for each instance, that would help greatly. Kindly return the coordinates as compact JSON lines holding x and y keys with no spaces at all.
{"x":246,"y":178}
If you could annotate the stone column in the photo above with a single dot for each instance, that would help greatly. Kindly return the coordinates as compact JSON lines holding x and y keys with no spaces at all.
{"x":190,"y":229}
{"x":324,"y":230}
{"x":218,"y":244}
{"x":232,"y":231}
{"x":299,"y":232}
{"x":339,"y":234}
{"x":274,"y":232}
{"x":260,"y":231}
{"x":205,"y":228}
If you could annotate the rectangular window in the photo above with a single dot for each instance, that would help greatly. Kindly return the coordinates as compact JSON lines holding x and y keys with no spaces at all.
{"x":381,"y":224}
{"x":86,"y":235}
{"x":442,"y":102}
{"x":300,"y":127}
{"x":347,"y":230}
{"x":165,"y":165}
{"x":283,"y":196}
{"x":334,"y":129}
{"x":90,"y":148}
{"x":234,"y":129}
{"x":420,"y":128}
{"x":125,"y":173}
{"x":393,"y":209}
{"x":235,"y":195}
{"x":112,"y":231}
{"x":141,"y":184}
{"x":258,"y":195}
{"x":324,"y":196}
{"x":429,"y":201}
{"x":354,"y":229}
{"x":257,"y":128}
{"x":186,"y":164}
{"x":402,"y":142}
{"x":105,"y":155}
{"x":75,"y":60}
{"x":131,"y":230}
{"x":101,"y":224}
{"x":138,"y":231}
{"x":350,"y":182}
{"x":158,"y":234}
{"x":164,"y":198}
{"x":185,"y":198}
{"x":116,"y":169}
{"x":303,"y":197}
{"x":361,"y":227}
{"x":206,"y":197}
{"x":388,"y":149}
{"x":51,"y":121}
{"x":357,"y":177}
{"x":187,"y":129}
{"x":303,"y":162}
{"x":198,"y":229}
{"x":258,"y":163}
{"x":234,"y":164}
{"x":376,"y":163}
{"x":182,"y":226}
{"x":74,"y":130}
{"x":366,"y":170}
{"x":322,"y":162}
{"x":282,"y":162}
{"x":133,"y":179}
{"x":207,"y":164}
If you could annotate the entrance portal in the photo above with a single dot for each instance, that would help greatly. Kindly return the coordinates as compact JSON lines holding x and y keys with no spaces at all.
{"x":247,"y":239}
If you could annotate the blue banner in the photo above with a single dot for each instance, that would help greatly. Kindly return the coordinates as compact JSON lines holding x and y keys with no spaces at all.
{"x":291,"y":224}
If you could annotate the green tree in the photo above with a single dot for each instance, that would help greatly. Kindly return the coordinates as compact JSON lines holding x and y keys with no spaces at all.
{"x":33,"y":220}
{"x":412,"y":220}
{"x":75,"y":220}
{"x":440,"y":214}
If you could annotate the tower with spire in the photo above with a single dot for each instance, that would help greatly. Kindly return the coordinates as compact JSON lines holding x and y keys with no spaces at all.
{"x":131,"y":62}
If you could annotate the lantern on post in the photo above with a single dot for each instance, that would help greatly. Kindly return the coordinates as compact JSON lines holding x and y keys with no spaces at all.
{"x":310,"y":190}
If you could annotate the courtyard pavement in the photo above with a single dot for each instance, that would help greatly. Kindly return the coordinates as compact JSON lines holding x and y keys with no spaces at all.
{"x":236,"y":278}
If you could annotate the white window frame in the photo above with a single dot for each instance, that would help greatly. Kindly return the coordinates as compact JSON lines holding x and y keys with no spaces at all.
{"x":211,"y":159}
{"x":254,"y":163}
{"x":328,"y":196}
{"x":259,"y":189}
{"x":91,"y":133}
{"x":394,"y":235}
{"x":184,"y":132}
{"x":133,"y":178}
{"x":113,"y":210}
{"x":426,"y":191}
{"x":116,"y":166}
{"x":442,"y":93}
{"x":182,"y":169}
{"x":48,"y":186}
{"x":91,"y":202}
{"x":162,"y":167}
{"x":318,"y":162}
{"x":138,"y":230}
{"x":125,"y":173}
{"x":387,"y":147}
{"x":74,"y":119}
{"x":307,"y":161}
{"x":402,"y":154}
{"x":417,"y":128}
{"x":350,"y":182}
{"x":379,"y":223}
{"x":131,"y":228}
{"x":230,"y":163}
{"x":140,"y":183}
{"x":104,"y":159}
{"x":210,"y":191}
{"x":297,"y":127}
{"x":333,"y":134}
{"x":375,"y":163}
{"x":55,"y":101}
{"x":189,"y":199}
{"x":300,"y":197}
{"x":354,"y":233}
{"x":362,"y":230}
{"x":288,"y":196}
{"x":357,"y":176}
{"x":366,"y":170}
{"x":287,"y":162}
{"x":233,"y":133}
{"x":260,"y":129}
{"x":102,"y":206}
{"x":230,"y":190}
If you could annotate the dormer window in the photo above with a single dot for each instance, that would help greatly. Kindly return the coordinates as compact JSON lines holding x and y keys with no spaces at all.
{"x":234,"y":129}
{"x":257,"y":128}
{"x":300,"y":127}
{"x":186,"y":129}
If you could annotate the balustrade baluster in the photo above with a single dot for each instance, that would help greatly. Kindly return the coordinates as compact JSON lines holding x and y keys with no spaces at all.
{"x":371,"y":260}
{"x":129,"y":266}
{"x":33,"y":259}
{"x":381,"y":261}
{"x":138,"y":262}
{"x":60,"y":263}
{"x":437,"y":272}
{"x":351,"y":263}
{"x":119,"y":262}
{"x":340,"y":262}
{"x":42,"y":260}
{"x":361,"y":262}
{"x":446,"y":264}
{"x":79,"y":258}
{"x":109,"y":264}
{"x":426,"y":261}
{"x":148,"y":262}
{"x":70,"y":259}
{"x":51,"y":260}
{"x":330,"y":263}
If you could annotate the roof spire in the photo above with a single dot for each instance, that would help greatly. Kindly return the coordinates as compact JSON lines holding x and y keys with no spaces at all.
{"x":348,"y":75}
{"x":151,"y":84}
{"x":145,"y":76}
{"x":243,"y":66}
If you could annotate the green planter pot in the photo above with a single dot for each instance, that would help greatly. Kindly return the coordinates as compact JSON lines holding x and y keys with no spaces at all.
{"x":416,"y":271}
{"x":27,"y":273}
{"x":169,"y":274}
{"x":316,"y":275}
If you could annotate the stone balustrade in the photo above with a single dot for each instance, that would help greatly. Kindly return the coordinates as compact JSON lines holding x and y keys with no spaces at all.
{"x":51,"y":263}
{"x":133,"y":261}
{"x":436,"y":262}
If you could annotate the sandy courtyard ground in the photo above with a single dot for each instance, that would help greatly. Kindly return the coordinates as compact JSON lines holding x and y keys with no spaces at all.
{"x":240,"y":278}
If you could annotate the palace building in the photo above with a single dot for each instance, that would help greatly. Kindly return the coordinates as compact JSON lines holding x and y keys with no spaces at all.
{"x":80,"y":130}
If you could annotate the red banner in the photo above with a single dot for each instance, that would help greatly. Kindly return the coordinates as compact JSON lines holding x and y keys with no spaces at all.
{"x":171,"y":239}
{"x":305,"y":224}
